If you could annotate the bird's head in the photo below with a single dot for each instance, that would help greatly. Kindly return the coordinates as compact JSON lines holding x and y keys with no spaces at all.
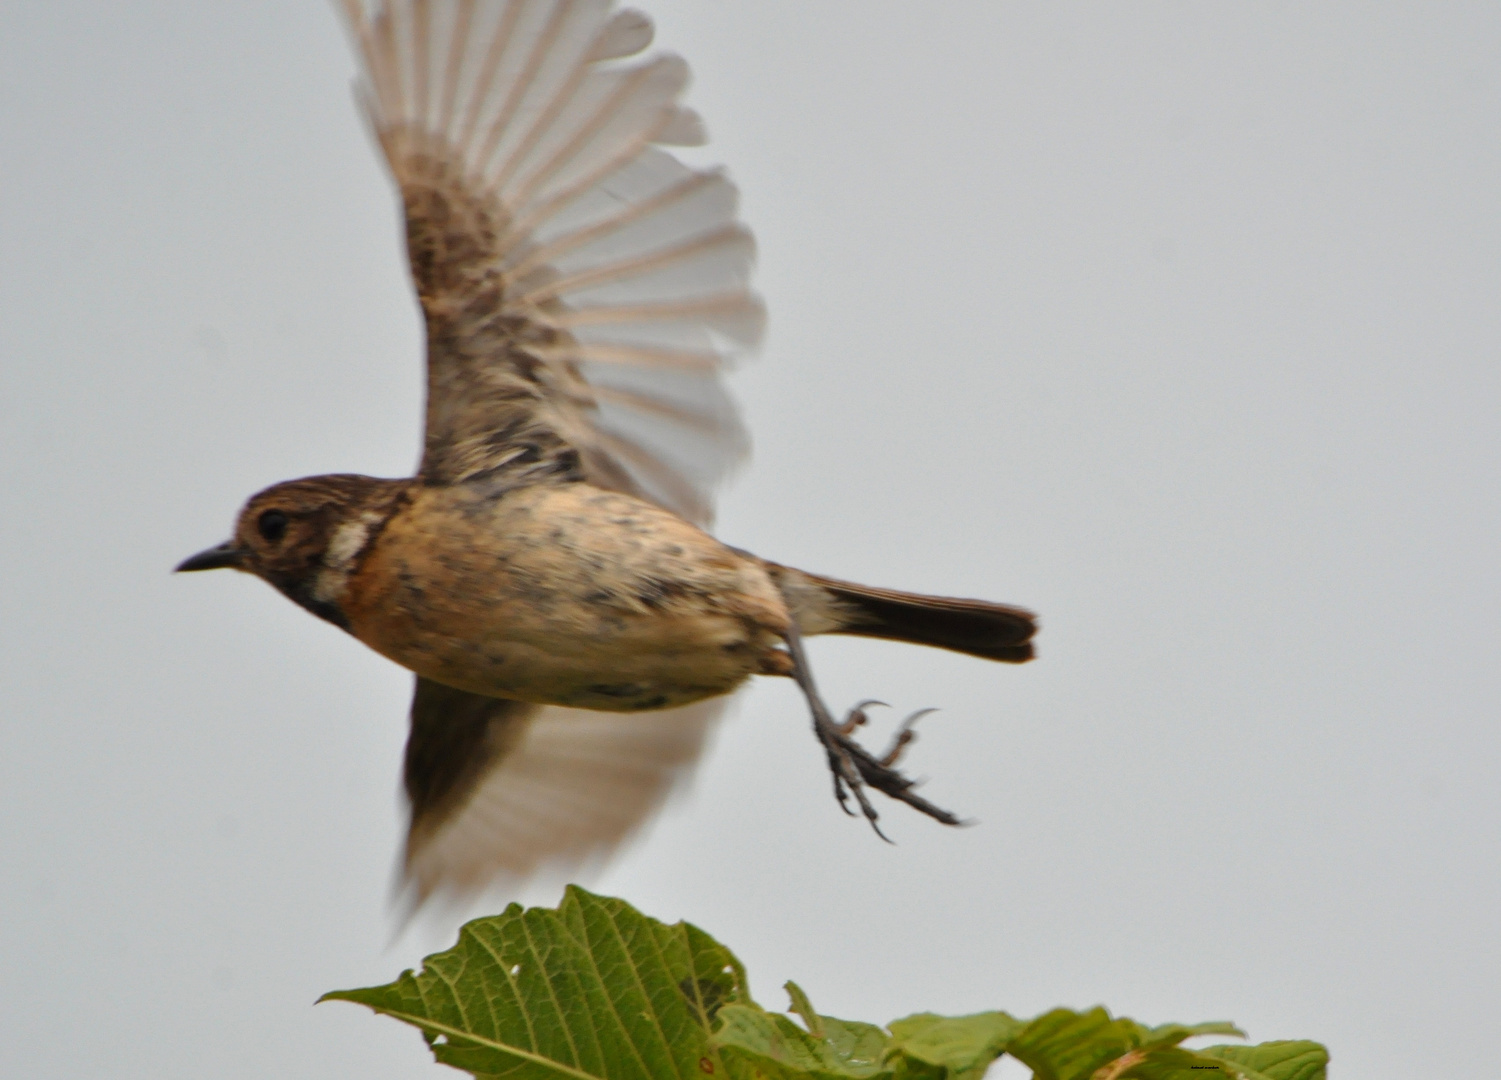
{"x":305,"y":536}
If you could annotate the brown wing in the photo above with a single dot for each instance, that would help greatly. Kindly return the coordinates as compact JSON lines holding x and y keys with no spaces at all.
{"x":582,"y":288}
{"x":501,"y":789}
{"x":583,"y":291}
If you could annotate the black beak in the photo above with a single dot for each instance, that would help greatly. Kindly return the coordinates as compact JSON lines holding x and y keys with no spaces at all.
{"x":215,"y":558}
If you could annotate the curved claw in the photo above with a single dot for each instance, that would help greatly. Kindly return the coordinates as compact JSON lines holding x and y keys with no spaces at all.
{"x":837,"y":769}
{"x":870,"y":812}
{"x":903,"y":737}
{"x":856,"y":716}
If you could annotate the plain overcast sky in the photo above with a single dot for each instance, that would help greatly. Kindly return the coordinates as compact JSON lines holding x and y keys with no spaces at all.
{"x":1176,"y":322}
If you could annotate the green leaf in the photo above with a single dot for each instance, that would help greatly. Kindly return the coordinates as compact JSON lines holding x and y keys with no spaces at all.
{"x":1172,"y":1034}
{"x":921,"y":1047}
{"x":758,"y":1043}
{"x":804,"y":1009}
{"x":1165,"y":1063}
{"x":1068,"y":1045}
{"x":951,"y":1047}
{"x":593,"y":991}
{"x":1288,"y":1060}
{"x":1158,"y":1058}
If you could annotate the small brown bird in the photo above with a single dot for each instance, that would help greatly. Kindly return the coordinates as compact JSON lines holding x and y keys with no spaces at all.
{"x":546,"y":574}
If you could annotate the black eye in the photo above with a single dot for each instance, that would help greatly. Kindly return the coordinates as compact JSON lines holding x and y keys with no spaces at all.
{"x":272,"y":525}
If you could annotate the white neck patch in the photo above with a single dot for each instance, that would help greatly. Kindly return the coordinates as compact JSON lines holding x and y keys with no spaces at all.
{"x":338,"y":561}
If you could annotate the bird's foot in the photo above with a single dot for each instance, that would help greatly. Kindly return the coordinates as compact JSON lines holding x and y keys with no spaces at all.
{"x":853,"y":767}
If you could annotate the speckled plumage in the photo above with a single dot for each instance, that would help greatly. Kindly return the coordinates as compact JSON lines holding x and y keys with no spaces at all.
{"x":547,"y":575}
{"x":563,"y":594}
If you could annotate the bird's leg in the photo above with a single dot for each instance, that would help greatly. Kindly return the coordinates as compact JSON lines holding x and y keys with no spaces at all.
{"x":854,"y":768}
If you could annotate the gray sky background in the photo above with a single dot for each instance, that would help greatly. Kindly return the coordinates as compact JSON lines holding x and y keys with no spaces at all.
{"x":1177,"y":322}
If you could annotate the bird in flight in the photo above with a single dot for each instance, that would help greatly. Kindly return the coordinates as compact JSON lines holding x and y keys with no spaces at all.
{"x":547,"y":575}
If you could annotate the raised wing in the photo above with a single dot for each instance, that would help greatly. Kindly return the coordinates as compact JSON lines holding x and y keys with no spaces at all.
{"x":502,"y":789}
{"x":582,"y":288}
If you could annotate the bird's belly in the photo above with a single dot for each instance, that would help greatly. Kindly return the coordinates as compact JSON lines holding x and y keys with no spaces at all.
{"x":621,"y":665}
{"x":566,"y":596}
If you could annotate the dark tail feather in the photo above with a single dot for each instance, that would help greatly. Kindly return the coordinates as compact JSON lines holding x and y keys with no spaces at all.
{"x":976,"y":627}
